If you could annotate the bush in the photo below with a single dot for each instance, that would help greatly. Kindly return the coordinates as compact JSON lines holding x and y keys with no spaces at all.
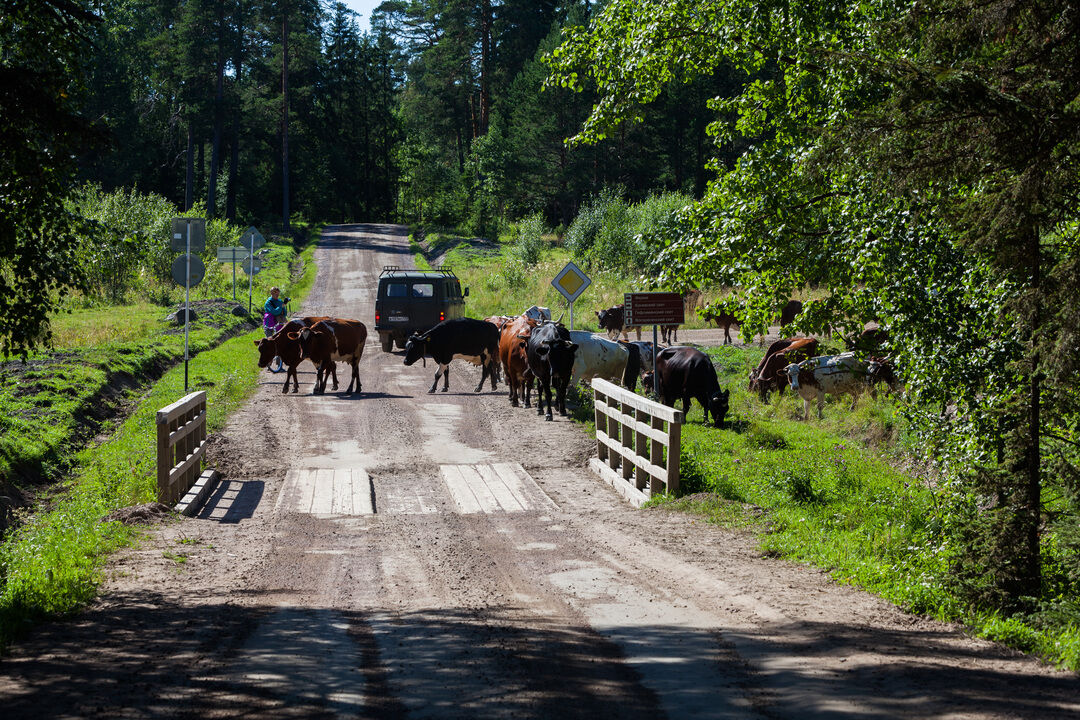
{"x":528,"y":240}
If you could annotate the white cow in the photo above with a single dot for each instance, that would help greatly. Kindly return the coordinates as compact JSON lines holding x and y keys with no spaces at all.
{"x":599,"y":357}
{"x":538,"y":313}
{"x":832,"y":374}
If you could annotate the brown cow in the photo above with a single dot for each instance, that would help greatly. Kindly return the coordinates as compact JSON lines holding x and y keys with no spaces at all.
{"x":722,"y":319}
{"x":780,"y":354}
{"x":513,"y":339}
{"x":280,"y":345}
{"x":330,"y":341}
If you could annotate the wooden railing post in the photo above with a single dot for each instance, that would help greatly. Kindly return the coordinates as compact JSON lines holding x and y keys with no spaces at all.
{"x":181,"y":444}
{"x":636,"y":438}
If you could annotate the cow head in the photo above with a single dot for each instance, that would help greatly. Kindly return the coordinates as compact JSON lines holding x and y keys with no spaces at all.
{"x":791,"y":372}
{"x":267,"y":351}
{"x":718,"y":406}
{"x":881,"y":370}
{"x":416,"y":349}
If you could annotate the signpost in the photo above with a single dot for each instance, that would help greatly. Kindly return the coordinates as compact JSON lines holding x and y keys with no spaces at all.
{"x":653,"y":308}
{"x":188,"y":234}
{"x":233,"y":254}
{"x":252,"y":239}
{"x":571,"y":282}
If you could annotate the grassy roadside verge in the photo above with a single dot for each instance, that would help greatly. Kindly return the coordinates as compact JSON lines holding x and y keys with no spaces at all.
{"x":50,"y":562}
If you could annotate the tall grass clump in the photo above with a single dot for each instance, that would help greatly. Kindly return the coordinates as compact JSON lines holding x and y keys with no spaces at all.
{"x":528,"y":242}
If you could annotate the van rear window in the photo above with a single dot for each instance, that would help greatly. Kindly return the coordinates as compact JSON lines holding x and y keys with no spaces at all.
{"x":396,"y":290}
{"x":423,"y":290}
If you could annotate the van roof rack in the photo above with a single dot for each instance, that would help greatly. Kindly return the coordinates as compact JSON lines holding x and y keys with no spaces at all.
{"x":445,"y":270}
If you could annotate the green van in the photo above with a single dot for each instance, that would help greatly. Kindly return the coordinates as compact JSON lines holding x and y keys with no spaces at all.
{"x":414,"y":301}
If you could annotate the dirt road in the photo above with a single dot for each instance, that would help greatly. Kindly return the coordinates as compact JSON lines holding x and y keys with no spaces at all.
{"x":401,"y":554}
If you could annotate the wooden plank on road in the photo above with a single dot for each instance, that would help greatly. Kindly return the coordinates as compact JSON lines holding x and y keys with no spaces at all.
{"x":459,"y":489}
{"x":505,"y":497}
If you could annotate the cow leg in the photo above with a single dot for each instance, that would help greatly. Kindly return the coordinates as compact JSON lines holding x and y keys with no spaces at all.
{"x":446,"y":378}
{"x":494,"y":372}
{"x":527,"y":379}
{"x":355,"y":376}
{"x":547,"y":397}
{"x":295,"y":380}
{"x":333,"y":372}
{"x":438,"y":374}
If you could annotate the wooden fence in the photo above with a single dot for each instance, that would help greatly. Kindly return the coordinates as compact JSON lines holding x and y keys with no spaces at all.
{"x":637,"y":442}
{"x":181,"y":444}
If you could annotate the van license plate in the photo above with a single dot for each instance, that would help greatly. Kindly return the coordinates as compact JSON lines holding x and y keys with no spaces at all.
{"x":399,"y":318}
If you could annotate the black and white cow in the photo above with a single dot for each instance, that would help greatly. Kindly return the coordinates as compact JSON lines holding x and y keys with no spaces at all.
{"x":551,"y":361}
{"x":476,"y":341}
{"x":687,"y":373}
{"x":832,"y":374}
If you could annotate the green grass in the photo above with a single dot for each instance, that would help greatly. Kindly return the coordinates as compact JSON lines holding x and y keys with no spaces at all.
{"x":50,"y":562}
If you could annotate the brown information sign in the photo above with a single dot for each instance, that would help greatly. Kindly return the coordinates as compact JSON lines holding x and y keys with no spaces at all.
{"x":653,"y":308}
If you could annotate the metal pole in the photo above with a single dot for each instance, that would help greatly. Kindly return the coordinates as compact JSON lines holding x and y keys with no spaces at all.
{"x":655,"y":374}
{"x":251,"y":266}
{"x":571,"y":314}
{"x":187,"y":302}
{"x":234,"y":276}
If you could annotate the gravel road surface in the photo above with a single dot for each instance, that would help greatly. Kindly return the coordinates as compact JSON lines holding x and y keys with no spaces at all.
{"x":399,"y":554}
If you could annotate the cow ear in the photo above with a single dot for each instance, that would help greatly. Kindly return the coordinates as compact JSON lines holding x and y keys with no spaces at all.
{"x":293,"y":335}
{"x":572,"y":346}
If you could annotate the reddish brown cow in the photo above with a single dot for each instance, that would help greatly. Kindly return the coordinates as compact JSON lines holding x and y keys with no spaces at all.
{"x":780,"y":354}
{"x":330,"y":341}
{"x":513,"y":339}
{"x":288,"y":349}
{"x":722,"y":320}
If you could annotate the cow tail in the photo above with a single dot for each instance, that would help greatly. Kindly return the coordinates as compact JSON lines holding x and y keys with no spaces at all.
{"x":633,"y":367}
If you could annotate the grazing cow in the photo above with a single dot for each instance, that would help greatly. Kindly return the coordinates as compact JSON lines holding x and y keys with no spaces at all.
{"x":538,"y":313}
{"x":515,"y":361}
{"x":668,"y":334}
{"x":645,"y":350}
{"x":476,"y":341}
{"x":790,"y":312}
{"x":600,"y":357}
{"x":880,"y":370}
{"x":326,"y":343}
{"x":280,"y":345}
{"x":551,"y":360}
{"x":767,"y":375}
{"x":832,"y":374}
{"x":612,"y":321}
{"x":687,"y":373}
{"x":722,"y":319}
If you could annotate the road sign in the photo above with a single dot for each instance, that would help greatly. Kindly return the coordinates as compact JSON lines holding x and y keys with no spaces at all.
{"x":252,"y":265}
{"x":232,"y":254}
{"x":179,"y":270}
{"x":178,"y":235}
{"x":252,"y":239}
{"x":571,"y":282}
{"x":653,"y":308}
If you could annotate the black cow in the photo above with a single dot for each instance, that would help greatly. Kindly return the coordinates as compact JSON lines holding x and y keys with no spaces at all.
{"x":474,"y":340}
{"x":687,"y":373}
{"x":612,"y":321}
{"x":551,"y":360}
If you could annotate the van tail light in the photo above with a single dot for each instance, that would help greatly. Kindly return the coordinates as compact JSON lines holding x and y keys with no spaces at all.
{"x":442,"y":316}
{"x":376,"y":318}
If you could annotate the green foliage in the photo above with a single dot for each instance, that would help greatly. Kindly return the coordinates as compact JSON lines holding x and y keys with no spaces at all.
{"x":528,"y":243}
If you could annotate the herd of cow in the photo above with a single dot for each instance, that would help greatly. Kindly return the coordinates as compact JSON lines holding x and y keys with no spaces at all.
{"x":532,"y":347}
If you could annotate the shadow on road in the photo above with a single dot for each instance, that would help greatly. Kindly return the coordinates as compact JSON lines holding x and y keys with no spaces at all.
{"x":145,"y":655}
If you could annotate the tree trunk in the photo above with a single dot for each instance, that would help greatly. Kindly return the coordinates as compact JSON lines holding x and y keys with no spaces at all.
{"x":285,"y":122}
{"x":189,"y":180}
{"x":485,"y":64}
{"x":219,"y":116}
{"x":1033,"y":495}
{"x":234,"y":154}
